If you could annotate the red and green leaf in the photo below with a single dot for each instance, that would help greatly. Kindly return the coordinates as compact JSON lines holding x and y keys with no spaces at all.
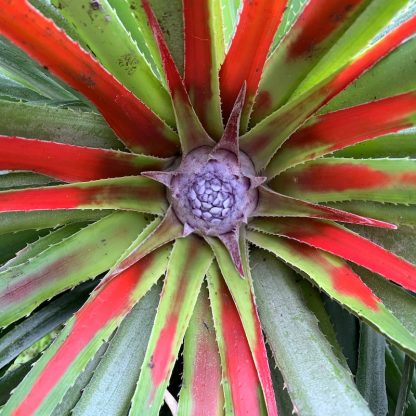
{"x":158,"y":233}
{"x":317,"y":28}
{"x":204,"y":52}
{"x":135,"y":193}
{"x":72,"y":163}
{"x":191,"y":132}
{"x":242,"y":388}
{"x":80,"y":257}
{"x":133,"y":122}
{"x":262,"y":142}
{"x":104,"y":33}
{"x":336,"y":278}
{"x":58,"y":369}
{"x":201,"y":393}
{"x":339,"y":179}
{"x":245,"y":59}
{"x":333,"y":131}
{"x":188,"y":264}
{"x":243,"y":295}
{"x":273,"y":204}
{"x":344,"y":243}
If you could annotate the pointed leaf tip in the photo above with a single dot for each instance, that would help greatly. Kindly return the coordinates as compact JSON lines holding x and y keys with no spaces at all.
{"x":231,"y":243}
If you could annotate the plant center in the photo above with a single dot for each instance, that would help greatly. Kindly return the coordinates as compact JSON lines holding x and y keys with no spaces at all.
{"x":211,"y":192}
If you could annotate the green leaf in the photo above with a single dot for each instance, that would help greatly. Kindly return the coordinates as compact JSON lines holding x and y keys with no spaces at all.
{"x":12,"y":242}
{"x":57,"y":370}
{"x":42,"y":322}
{"x":12,"y":90}
{"x":74,"y":393}
{"x":188,"y":264}
{"x":17,"y":66}
{"x":36,"y":220}
{"x":100,"y":27}
{"x":43,"y":243}
{"x":398,"y":145}
{"x":57,"y":124}
{"x":393,"y":379}
{"x":355,"y":39}
{"x":309,"y":366}
{"x":169,"y":14}
{"x":12,"y":379}
{"x":370,"y":377}
{"x":230,"y":9}
{"x":397,"y":68}
{"x":396,"y":214}
{"x":9,"y":179}
{"x":111,"y":388}
{"x":334,"y":276}
{"x":134,"y":20}
{"x":293,"y":10}
{"x":66,"y":264}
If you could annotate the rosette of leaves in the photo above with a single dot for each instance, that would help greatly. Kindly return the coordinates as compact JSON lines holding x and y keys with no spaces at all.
{"x":264,"y":159}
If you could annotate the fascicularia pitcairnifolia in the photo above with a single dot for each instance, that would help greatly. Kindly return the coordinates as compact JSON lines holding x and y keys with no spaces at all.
{"x":214,"y":190}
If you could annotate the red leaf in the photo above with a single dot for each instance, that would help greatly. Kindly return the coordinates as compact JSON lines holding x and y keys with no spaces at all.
{"x":114,"y":299}
{"x":71,"y":163}
{"x":201,"y":70}
{"x":191,"y":132}
{"x":245,"y":59}
{"x":133,"y":122}
{"x":238,"y":365}
{"x":319,"y":25}
{"x":128,"y":193}
{"x":334,"y":131}
{"x":262,"y":142}
{"x":346,"y":244}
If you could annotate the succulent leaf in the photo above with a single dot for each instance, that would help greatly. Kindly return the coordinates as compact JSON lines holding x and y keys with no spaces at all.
{"x":188,"y":263}
{"x":122,"y":110}
{"x":343,"y":179}
{"x":201,"y":392}
{"x":54,"y":373}
{"x":72,"y":163}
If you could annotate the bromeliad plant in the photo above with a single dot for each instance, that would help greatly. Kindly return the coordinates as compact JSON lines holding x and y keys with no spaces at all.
{"x":240,"y":153}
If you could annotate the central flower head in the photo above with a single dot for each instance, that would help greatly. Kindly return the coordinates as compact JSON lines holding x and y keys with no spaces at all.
{"x":212,"y":192}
